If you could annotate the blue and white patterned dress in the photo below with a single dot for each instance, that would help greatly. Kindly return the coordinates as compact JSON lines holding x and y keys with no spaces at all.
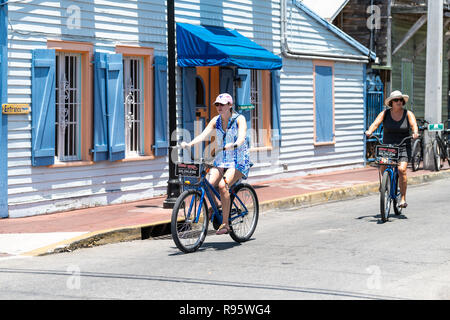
{"x":238,"y":158}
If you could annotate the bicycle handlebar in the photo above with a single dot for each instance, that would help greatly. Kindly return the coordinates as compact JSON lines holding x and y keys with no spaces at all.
{"x":399,"y":144}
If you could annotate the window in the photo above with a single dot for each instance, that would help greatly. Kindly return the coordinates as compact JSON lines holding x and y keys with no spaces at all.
{"x":324,"y":103}
{"x":73,"y":101}
{"x":133,"y":83}
{"x":138,"y":100}
{"x":68,"y":106}
{"x":257,"y":112}
{"x":259,"y":115}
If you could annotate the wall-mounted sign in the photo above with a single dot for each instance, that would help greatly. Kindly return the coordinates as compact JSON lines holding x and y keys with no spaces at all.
{"x":436,"y":127}
{"x":246,"y":107}
{"x":15,"y":108}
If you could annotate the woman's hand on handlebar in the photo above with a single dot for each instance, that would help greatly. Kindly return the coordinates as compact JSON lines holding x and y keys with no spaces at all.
{"x":230,"y":146}
{"x":368,"y":134}
{"x":184,"y":145}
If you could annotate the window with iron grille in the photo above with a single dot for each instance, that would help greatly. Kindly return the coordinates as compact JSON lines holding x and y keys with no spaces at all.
{"x":134,"y":105}
{"x":68,"y":106}
{"x":257,"y":124}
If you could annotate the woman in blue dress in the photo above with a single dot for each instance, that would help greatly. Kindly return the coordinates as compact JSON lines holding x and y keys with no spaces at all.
{"x":232,"y":160}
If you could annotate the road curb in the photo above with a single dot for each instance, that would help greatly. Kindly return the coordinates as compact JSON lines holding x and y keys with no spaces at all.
{"x":145,"y":231}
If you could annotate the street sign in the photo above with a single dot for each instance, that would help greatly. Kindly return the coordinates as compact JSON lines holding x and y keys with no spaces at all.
{"x":436,"y":127}
{"x":246,"y":107}
{"x":15,"y":108}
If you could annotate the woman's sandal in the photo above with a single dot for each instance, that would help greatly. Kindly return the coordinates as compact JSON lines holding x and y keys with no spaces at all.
{"x":223,"y":229}
{"x":403,"y":205}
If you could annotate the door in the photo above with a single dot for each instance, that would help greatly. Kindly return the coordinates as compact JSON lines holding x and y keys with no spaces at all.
{"x":206,"y":90}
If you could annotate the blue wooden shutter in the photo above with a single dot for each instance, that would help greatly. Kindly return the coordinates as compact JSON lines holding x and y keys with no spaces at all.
{"x":324,"y":104}
{"x":189,"y":101}
{"x":115,"y":107}
{"x":160,"y":125}
{"x":43,"y":107}
{"x":243,"y":96}
{"x":276,"y":117}
{"x":100,"y":151}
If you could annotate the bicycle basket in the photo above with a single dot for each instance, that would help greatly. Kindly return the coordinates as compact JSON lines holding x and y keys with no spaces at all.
{"x":386,"y":154}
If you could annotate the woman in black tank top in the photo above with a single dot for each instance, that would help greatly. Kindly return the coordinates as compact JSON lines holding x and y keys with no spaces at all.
{"x":397,"y":123}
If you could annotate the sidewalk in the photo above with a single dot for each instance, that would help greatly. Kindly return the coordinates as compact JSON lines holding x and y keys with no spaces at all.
{"x":66,"y":231}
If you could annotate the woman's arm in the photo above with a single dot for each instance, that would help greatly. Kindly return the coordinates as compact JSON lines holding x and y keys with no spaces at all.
{"x":413,"y":124}
{"x":375,"y":124}
{"x":202,"y":136}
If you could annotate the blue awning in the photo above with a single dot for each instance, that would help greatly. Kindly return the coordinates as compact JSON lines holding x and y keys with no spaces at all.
{"x":200,"y":46}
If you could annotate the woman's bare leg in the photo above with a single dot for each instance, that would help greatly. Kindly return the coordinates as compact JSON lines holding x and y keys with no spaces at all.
{"x":231,"y":175}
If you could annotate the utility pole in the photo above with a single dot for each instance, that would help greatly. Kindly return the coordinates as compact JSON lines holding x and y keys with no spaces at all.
{"x":433,"y":79}
{"x":173,"y":187}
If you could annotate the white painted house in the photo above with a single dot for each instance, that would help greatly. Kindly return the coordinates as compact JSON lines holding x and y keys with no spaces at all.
{"x":94,"y":74}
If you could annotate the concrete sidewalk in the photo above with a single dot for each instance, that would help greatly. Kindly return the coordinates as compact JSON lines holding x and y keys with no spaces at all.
{"x":66,"y":231}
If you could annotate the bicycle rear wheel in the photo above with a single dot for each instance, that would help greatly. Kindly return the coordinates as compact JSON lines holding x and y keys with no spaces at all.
{"x":385,"y":197}
{"x":416,"y":155}
{"x":448,"y":152}
{"x":436,"y":155}
{"x":189,"y":228}
{"x":244,"y":212}
{"x":397,"y":199}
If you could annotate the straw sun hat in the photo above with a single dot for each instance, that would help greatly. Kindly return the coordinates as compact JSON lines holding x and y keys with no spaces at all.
{"x":395,"y":95}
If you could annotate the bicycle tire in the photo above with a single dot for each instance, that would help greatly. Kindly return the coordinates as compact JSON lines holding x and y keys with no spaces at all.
{"x":395,"y":201}
{"x":188,"y":235}
{"x":448,"y":152}
{"x":416,"y":155}
{"x":385,"y":197}
{"x":243,"y":197}
{"x":436,"y":156}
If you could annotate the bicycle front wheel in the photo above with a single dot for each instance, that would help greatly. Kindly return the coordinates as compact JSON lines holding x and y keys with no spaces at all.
{"x":189,"y":223}
{"x":244,"y":212}
{"x":385,"y":197}
{"x":416,"y":155}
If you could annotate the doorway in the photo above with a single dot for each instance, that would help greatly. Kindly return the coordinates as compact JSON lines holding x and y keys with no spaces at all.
{"x":206,"y":91}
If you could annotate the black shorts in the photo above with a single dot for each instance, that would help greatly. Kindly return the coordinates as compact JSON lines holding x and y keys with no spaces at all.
{"x":404,"y":153}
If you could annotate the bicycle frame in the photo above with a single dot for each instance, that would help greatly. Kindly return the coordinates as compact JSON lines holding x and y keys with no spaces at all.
{"x":205,"y":187}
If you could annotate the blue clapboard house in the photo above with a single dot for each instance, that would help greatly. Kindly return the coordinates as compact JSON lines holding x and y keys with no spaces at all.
{"x":95,"y":77}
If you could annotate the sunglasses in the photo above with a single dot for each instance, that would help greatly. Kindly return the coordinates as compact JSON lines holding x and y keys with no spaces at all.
{"x":221,"y":104}
{"x":397,"y":99}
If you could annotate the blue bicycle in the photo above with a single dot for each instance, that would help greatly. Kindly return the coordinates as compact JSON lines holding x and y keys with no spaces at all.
{"x":189,"y":223}
{"x":387,"y":156}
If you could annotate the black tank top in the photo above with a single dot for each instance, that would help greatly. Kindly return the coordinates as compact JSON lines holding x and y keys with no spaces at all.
{"x":395,"y":131}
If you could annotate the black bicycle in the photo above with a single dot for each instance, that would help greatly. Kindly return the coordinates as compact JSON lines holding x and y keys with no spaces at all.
{"x":440,"y":145}
{"x":417,"y":147}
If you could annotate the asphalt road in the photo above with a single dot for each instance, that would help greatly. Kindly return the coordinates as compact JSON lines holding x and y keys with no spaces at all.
{"x":339,"y":250}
